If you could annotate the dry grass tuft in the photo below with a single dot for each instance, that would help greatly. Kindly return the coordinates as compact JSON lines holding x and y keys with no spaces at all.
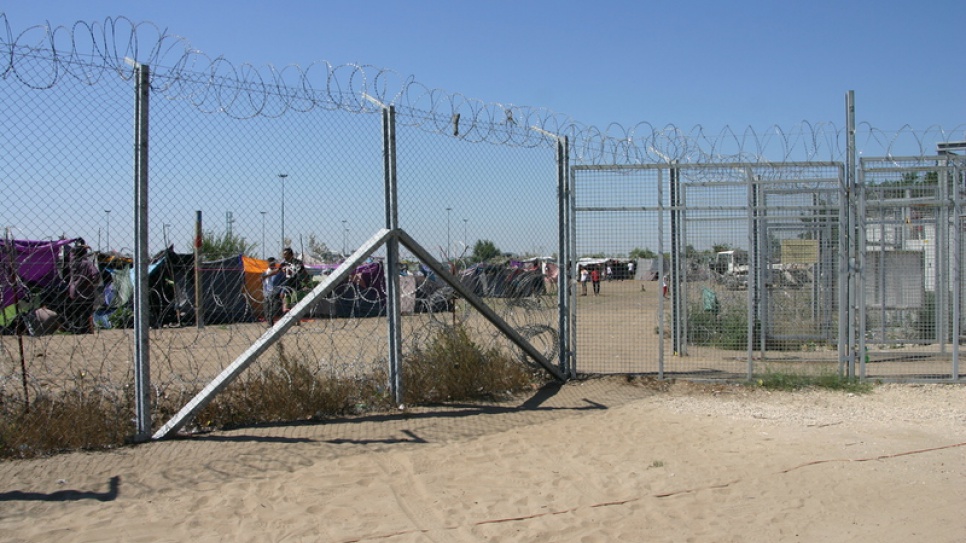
{"x":82,"y":419}
{"x":291,"y":390}
{"x":451,"y":368}
{"x":454,"y":368}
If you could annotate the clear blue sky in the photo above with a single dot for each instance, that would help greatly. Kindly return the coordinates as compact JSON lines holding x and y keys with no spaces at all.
{"x":705,"y":62}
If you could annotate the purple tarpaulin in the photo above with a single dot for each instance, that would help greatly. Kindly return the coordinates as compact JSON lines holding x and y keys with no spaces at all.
{"x":370,"y":276}
{"x":34,"y":265}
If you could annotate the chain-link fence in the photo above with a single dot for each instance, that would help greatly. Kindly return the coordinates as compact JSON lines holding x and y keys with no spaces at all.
{"x":143,"y":205}
{"x":215,"y":196}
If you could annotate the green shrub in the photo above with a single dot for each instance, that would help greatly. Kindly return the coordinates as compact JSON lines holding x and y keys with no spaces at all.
{"x":725,"y":330}
{"x":827,"y":379}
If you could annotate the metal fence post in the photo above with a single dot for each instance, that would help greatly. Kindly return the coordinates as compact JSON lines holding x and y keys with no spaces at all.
{"x":750,"y":300}
{"x":571,"y":262}
{"x":677,"y":337}
{"x":563,"y":260}
{"x":942,"y":261}
{"x":142,"y":373}
{"x":849,"y":281}
{"x":199,"y":297}
{"x":957,"y":279}
{"x":393,"y":309}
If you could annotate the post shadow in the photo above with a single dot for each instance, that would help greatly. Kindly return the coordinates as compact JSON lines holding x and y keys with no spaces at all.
{"x":112,"y":493}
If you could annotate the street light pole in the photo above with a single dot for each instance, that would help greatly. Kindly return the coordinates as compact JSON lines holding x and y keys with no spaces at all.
{"x":263,"y":233}
{"x":464,"y":234}
{"x":345,"y":233}
{"x":448,"y":210}
{"x":107,"y":213}
{"x":282,"y":176}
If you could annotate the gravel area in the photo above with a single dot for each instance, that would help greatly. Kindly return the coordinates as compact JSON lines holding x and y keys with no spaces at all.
{"x":934,"y":405}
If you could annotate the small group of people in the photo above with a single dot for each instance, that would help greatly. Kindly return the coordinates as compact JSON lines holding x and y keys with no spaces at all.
{"x":280,"y":281}
{"x":593,"y":274}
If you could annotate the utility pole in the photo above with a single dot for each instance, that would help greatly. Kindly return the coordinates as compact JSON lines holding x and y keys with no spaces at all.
{"x":282,"y":177}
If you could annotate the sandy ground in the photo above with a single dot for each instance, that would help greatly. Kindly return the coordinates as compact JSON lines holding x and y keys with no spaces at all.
{"x":594,"y":461}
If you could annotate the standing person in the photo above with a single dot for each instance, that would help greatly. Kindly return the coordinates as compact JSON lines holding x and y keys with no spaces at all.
{"x":610,"y":272}
{"x":295,"y":276}
{"x":595,"y":279}
{"x":664,"y":285}
{"x":583,"y":281}
{"x":630,"y":270}
{"x":272,"y":278}
{"x":83,"y":278}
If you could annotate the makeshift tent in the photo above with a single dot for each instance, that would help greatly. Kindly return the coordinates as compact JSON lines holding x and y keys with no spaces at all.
{"x":363,"y":294}
{"x":369,"y":285}
{"x":122,"y":286}
{"x":30,"y":277}
{"x":253,"y":269}
{"x":223,"y":291}
{"x":171,"y":284}
{"x":432,"y":295}
{"x":546,"y":265}
{"x":28,"y":266}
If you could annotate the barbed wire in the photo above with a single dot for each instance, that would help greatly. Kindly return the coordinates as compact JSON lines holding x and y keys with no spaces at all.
{"x":89,"y":51}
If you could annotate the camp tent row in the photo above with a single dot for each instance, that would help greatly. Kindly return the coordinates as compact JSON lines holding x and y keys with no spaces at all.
{"x":232,"y":291}
{"x":231,"y":288}
{"x":32,"y":285}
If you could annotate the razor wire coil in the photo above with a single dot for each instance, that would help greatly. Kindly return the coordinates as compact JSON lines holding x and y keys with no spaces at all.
{"x":89,"y":51}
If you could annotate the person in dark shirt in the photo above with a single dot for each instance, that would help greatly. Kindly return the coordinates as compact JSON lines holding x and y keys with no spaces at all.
{"x":295,"y":279}
{"x":83,"y":279}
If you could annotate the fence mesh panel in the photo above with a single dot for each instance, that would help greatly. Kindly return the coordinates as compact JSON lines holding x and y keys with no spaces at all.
{"x":239,"y":191}
{"x":488,"y":213}
{"x":311,"y":182}
{"x":619,"y":316}
{"x":65,"y":187}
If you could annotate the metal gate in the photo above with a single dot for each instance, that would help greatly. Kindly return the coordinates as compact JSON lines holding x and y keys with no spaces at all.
{"x":710,"y":271}
{"x":911,"y":234}
{"x":730,"y":270}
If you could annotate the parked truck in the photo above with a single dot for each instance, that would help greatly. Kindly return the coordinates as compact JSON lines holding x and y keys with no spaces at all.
{"x":731,"y":268}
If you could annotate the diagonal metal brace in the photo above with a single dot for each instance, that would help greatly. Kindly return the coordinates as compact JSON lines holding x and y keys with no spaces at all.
{"x":273,"y":334}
